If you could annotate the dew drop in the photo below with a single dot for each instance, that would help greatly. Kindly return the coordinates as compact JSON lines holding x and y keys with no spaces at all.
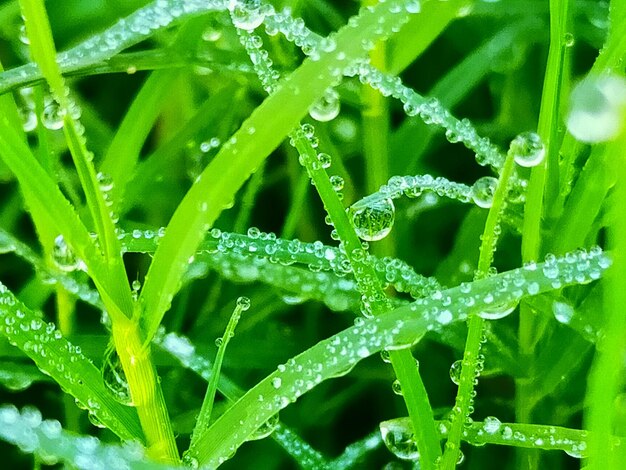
{"x":337,"y":182}
{"x":483,"y":191}
{"x":327,"y":107}
{"x":277,"y":382}
{"x":396,"y":387}
{"x":246,"y":14}
{"x":398,"y":437}
{"x":596,"y":109}
{"x":491,"y":425}
{"x":497,"y":312}
{"x":243,"y":303}
{"x":455,"y":371}
{"x":373,"y":221}
{"x":266,"y":429}
{"x":528,"y":149}
{"x":114,"y":378}
{"x":52,"y":116}
{"x":63,"y":256}
{"x":413,"y":6}
{"x":563,"y":312}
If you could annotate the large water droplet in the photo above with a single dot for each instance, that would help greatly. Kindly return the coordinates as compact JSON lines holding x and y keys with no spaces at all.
{"x":114,"y":377}
{"x":327,"y":107}
{"x":455,"y":371}
{"x":497,"y":312}
{"x":246,"y":14}
{"x":563,"y":312}
{"x":491,"y":425}
{"x":483,"y":191}
{"x":398,"y":436}
{"x":52,"y":116}
{"x":528,"y":149}
{"x":266,"y":429}
{"x":373,"y":221}
{"x":596,"y":109}
{"x":63,"y":256}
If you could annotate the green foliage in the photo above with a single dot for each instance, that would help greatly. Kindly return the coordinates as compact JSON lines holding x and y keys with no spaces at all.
{"x":138,"y":185}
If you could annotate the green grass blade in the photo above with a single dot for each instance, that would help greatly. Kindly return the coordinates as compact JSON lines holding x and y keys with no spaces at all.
{"x":398,"y":328}
{"x":204,"y":418}
{"x":259,"y":135}
{"x":123,"y":153}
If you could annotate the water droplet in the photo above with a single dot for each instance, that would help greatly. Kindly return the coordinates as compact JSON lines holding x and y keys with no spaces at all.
{"x":324,"y":159}
{"x":483,"y":191}
{"x":491,"y":425}
{"x":190,"y":461}
{"x":266,"y":429}
{"x":327,"y":107}
{"x":243,"y":303}
{"x":114,"y":377}
{"x":63,"y":256}
{"x":497,"y":312}
{"x":569,"y":40}
{"x":29,"y":118}
{"x":455,"y":371}
{"x":596,"y":109}
{"x":52,"y":116}
{"x":246,"y":14}
{"x":337,"y":182}
{"x":396,"y":387}
{"x":277,"y":382}
{"x":398,"y":437}
{"x":413,"y":6}
{"x":563,"y":312}
{"x":373,"y":221}
{"x":528,"y":149}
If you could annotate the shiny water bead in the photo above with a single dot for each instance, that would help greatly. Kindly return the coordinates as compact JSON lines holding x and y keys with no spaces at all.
{"x":413,"y":6}
{"x":398,"y":437}
{"x":324,"y":159}
{"x":491,"y":425}
{"x":63,"y":256}
{"x":243,"y":303}
{"x":247,"y":14}
{"x":114,"y":378}
{"x":455,"y":371}
{"x":52,"y":116}
{"x":327,"y":107}
{"x":105,"y":182}
{"x":483,"y":191}
{"x":528,"y":149}
{"x":373,"y":221}
{"x":563,"y":312}
{"x":28,"y":117}
{"x":266,"y":429}
{"x":337,"y":182}
{"x":597,"y":109}
{"x":497,"y":312}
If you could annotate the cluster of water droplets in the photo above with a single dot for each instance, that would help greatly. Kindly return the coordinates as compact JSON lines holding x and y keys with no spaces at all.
{"x":399,"y":437}
{"x":8,"y":243}
{"x":51,"y":352}
{"x":492,"y":430}
{"x":46,"y":438}
{"x":257,"y":249}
